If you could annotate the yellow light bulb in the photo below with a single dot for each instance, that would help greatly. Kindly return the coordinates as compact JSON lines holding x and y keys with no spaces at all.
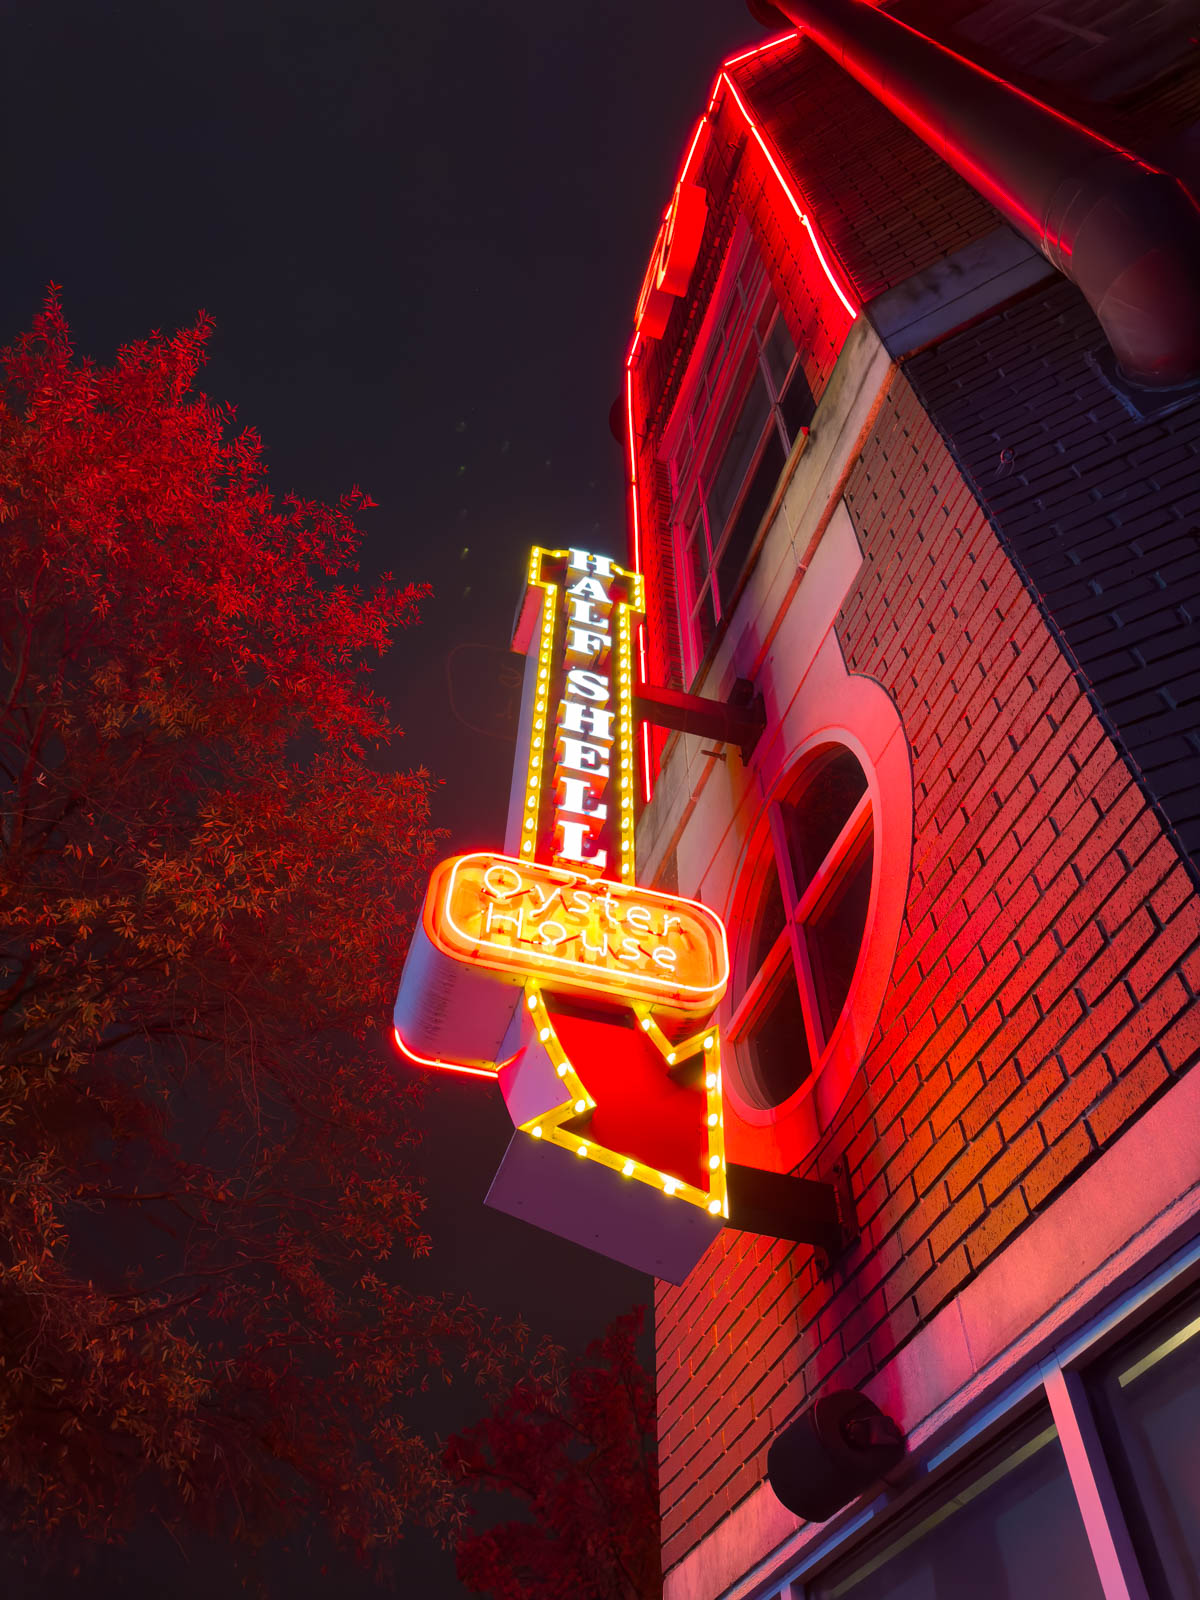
{"x":627,"y":1170}
{"x":582,"y":1150}
{"x":561,"y":1069}
{"x":537,"y":1132}
{"x":710,"y":1080}
{"x":580,"y":1107}
{"x":714,"y":1208}
{"x":708,"y":1043}
{"x":713,"y":1119}
{"x":531,"y":1002}
{"x":713,"y":1163}
{"x":544,"y":1034}
{"x":670,"y":1186}
{"x":646,"y":1024}
{"x":670,"y":1058}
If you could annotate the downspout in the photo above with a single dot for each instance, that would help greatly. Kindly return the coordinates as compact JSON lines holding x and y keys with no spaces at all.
{"x":1124,"y":232}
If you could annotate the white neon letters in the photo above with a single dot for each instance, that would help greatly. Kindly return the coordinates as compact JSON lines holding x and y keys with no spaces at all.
{"x":585,"y":718}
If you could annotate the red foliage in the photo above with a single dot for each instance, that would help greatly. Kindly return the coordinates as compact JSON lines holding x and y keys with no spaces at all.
{"x":205,"y":895}
{"x":581,"y":1453}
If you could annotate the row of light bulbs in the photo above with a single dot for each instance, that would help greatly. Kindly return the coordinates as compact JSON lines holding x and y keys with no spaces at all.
{"x":715,"y":1199}
{"x":623,"y":679}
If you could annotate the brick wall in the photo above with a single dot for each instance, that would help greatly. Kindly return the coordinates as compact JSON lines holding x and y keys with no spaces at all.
{"x":1101,"y":510}
{"x":886,"y":204}
{"x":1075,"y":53}
{"x":738,"y":182}
{"x":886,"y":207}
{"x":1043,"y":992}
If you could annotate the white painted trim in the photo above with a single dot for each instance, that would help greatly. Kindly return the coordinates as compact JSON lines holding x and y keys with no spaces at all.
{"x":858,"y":378}
{"x":962,"y":286}
{"x":1103,"y":1519}
{"x":1052,"y":1291}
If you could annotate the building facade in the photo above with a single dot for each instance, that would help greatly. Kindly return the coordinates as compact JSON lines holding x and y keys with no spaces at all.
{"x":884,"y":469}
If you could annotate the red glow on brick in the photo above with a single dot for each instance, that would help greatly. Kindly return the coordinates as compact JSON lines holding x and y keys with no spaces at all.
{"x":805,"y":222}
{"x":687,"y":160}
{"x":722,"y":80}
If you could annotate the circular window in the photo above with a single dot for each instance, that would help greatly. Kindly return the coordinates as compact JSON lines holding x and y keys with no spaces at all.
{"x":807,"y":917}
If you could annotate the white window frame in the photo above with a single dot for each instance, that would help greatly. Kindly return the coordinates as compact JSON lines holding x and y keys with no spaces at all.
{"x":801,"y":908}
{"x":704,"y":414}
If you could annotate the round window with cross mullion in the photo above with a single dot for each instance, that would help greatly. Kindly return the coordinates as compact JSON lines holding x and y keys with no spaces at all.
{"x":806,"y":923}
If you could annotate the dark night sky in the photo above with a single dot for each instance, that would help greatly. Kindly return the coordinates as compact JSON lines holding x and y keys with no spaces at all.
{"x":421,"y":230}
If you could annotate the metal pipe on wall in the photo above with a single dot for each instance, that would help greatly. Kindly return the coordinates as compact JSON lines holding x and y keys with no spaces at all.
{"x":1124,"y":232}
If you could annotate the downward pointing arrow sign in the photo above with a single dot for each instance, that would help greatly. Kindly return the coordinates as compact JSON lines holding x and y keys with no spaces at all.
{"x":619,"y":1092}
{"x":618,"y":1123}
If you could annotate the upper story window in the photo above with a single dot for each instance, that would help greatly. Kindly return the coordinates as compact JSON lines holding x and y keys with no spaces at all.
{"x":737,"y":424}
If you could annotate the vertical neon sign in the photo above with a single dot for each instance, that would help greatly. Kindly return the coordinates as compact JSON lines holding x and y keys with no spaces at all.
{"x":579,"y":805}
{"x":588,"y":998}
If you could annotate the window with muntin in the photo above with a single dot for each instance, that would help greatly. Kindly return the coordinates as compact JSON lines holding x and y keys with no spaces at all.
{"x":747,"y":407}
{"x":807,"y":929}
{"x":1087,"y":1487}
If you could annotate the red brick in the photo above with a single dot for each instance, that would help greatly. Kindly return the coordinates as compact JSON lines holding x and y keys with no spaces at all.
{"x":998,"y":1091}
{"x":910,"y":1155}
{"x":1012,"y":1163}
{"x":897,"y":1098}
{"x":1033,"y":1094}
{"x":982,"y":1149}
{"x":947,"y":1276}
{"x":1172,"y":894}
{"x":997,"y":1227}
{"x":961,"y":1216}
{"x":1090,"y":1034}
{"x":1137,"y":885}
{"x":1082,"y":1089}
{"x":1059,"y":1163}
{"x":1127,"y":1097}
{"x":1151,"y":1018}
{"x":1167,"y":950}
{"x":1031,"y":967}
{"x":1123,"y":948}
{"x":956,"y":1099}
{"x":898,"y":1285}
{"x":938,"y":1159}
{"x":1049,"y":1033}
{"x":1180,"y":1044}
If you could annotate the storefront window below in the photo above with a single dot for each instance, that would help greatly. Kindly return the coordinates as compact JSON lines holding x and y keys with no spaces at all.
{"x":1011,"y":1530}
{"x":1147,"y":1399}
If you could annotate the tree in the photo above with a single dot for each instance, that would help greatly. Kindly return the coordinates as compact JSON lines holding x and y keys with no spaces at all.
{"x":579,"y":1451}
{"x":206,"y":890}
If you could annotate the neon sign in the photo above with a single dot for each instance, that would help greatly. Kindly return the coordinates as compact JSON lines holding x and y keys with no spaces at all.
{"x":585,"y":935}
{"x":673,"y":259}
{"x":580,"y":764}
{"x":548,"y":969}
